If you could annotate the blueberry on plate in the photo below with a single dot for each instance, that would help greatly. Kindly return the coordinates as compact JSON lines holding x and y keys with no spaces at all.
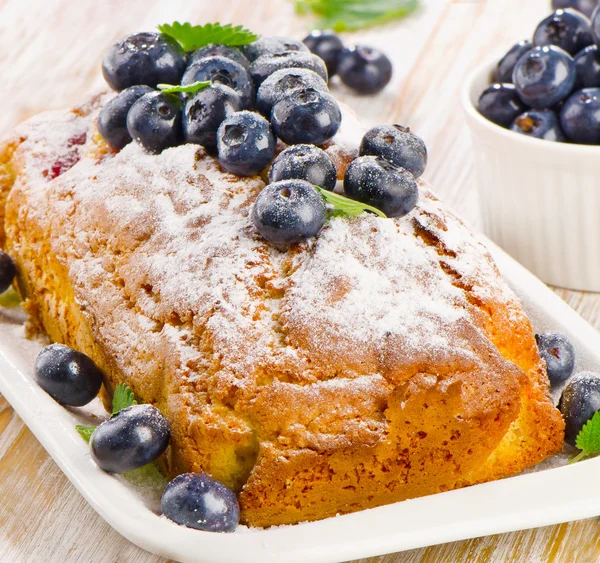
{"x":325,"y":44}
{"x":197,"y":501}
{"x":289,"y":211}
{"x":364,"y":69}
{"x":504,"y":70}
{"x":205,"y":111}
{"x":596,"y":26}
{"x":568,"y":29}
{"x":501,"y":104}
{"x":580,"y":117}
{"x":266,"y":65}
{"x":221,"y":70}
{"x":558,"y":353}
{"x":282,"y":83}
{"x":397,"y":144}
{"x":540,"y":124}
{"x":69,"y":377}
{"x":112,"y":120}
{"x":143,"y":58}
{"x":8,"y":271}
{"x":304,"y":162}
{"x":579,"y":401}
{"x":154,"y":121}
{"x":130,"y":439}
{"x":377,"y":182}
{"x":586,"y":7}
{"x":306,"y":116}
{"x":272,"y":46}
{"x":219,"y":51}
{"x":587,"y":67}
{"x":544,"y":76}
{"x":245,"y":143}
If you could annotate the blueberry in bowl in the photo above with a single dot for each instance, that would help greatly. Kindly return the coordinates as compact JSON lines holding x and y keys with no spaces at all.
{"x":204,"y":112}
{"x":580,"y":117}
{"x":501,"y":104}
{"x":377,"y":182}
{"x":539,"y":124}
{"x":544,"y":76}
{"x":221,"y":70}
{"x":586,"y":7}
{"x":226,"y":51}
{"x":587,"y":67}
{"x":304,"y":162}
{"x":245,"y":143}
{"x":327,"y":45}
{"x":364,"y":69}
{"x":568,"y":29}
{"x":282,"y":83}
{"x":559,"y":355}
{"x":272,"y":45}
{"x":266,"y":65}
{"x":154,"y":121}
{"x":143,"y":58}
{"x":506,"y":65}
{"x":306,"y":116}
{"x":397,"y":144}
{"x":578,"y":403}
{"x":112,"y":120}
{"x":289,"y":211}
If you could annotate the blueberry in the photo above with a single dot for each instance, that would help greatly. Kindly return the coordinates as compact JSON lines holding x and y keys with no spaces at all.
{"x":596,"y":26}
{"x":587,"y":67}
{"x":205,"y":111}
{"x":327,"y":45}
{"x":130,"y":439}
{"x":558,"y":353}
{"x":112,"y":120}
{"x":504,"y":70}
{"x":197,"y":501}
{"x":220,"y":70}
{"x":282,"y":83}
{"x":219,"y":51}
{"x":586,"y":7}
{"x":501,"y":104}
{"x":245,"y":143}
{"x":397,"y":144}
{"x":154,"y":121}
{"x":364,"y":69}
{"x":580,"y":117}
{"x":544,"y":76}
{"x":143,"y":58}
{"x":377,"y":182}
{"x":541,"y":124}
{"x":568,"y":29}
{"x":266,"y":65}
{"x":304,"y":162}
{"x":272,"y":46}
{"x":306,"y":116}
{"x":69,"y":377}
{"x":579,"y":401}
{"x":289,"y":211}
{"x":8,"y":271}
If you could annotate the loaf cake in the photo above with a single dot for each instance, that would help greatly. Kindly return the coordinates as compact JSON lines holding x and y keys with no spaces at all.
{"x":383,"y":360}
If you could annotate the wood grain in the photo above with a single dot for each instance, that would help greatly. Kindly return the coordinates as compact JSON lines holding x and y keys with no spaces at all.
{"x":49,"y":58}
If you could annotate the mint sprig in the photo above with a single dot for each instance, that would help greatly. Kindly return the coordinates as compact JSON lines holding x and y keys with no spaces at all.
{"x":345,"y":207}
{"x":122,"y":398}
{"x":192,"y":37}
{"x":346,"y":15}
{"x":189,"y":89}
{"x":588,"y":439}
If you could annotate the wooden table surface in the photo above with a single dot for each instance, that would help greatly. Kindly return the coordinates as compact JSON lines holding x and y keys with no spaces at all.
{"x":50,"y":52}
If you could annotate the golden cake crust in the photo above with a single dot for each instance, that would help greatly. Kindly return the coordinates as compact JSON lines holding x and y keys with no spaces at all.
{"x":384,"y":360}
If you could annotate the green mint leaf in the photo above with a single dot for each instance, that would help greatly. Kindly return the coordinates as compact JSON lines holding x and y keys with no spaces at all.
{"x":85,"y":431}
{"x":10,"y":298}
{"x":346,"y":15}
{"x":588,"y":439}
{"x":192,"y":37}
{"x":346,"y":207}
{"x":122,"y":398}
{"x":189,"y":89}
{"x":147,"y":474}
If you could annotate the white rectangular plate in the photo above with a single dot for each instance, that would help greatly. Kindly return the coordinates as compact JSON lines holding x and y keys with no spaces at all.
{"x":557,"y":494}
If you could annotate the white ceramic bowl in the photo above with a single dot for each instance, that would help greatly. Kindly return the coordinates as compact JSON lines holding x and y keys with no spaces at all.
{"x":540,"y":200}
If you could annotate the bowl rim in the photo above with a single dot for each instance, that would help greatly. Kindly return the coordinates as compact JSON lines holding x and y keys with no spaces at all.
{"x":485,"y":69}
